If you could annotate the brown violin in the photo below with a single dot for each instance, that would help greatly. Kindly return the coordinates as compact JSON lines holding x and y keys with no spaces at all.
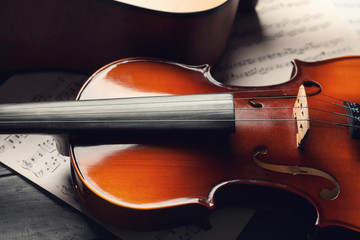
{"x":154,"y":142}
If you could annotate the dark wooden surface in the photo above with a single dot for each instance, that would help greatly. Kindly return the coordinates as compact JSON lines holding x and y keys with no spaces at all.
{"x":28,"y":212}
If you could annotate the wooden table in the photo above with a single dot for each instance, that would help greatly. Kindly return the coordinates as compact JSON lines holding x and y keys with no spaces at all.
{"x":28,"y":212}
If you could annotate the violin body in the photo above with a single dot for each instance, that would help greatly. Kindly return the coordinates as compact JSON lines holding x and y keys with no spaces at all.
{"x":142,"y":182}
{"x":84,"y":35}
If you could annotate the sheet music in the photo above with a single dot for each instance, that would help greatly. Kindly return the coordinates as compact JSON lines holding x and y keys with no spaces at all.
{"x":36,"y":156}
{"x":350,"y":10}
{"x":262,"y":45}
{"x":259,"y":53}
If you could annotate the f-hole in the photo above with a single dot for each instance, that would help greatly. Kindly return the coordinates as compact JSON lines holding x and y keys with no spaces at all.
{"x":255,"y":104}
{"x":312,"y":88}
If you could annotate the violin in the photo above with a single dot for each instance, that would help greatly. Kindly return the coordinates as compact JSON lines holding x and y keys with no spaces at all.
{"x":154,"y":142}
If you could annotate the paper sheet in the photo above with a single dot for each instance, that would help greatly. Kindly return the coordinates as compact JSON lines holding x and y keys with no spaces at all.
{"x":263,"y":44}
{"x":350,"y":10}
{"x":36,"y":156}
{"x":259,"y":53}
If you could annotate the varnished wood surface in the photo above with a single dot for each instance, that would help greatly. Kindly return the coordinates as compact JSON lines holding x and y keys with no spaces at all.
{"x":169,"y":170}
{"x":87,"y":34}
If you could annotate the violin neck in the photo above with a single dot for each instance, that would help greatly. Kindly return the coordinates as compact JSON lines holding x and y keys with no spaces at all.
{"x":202,"y":112}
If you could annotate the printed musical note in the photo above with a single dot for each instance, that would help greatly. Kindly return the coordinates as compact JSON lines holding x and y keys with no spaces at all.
{"x":61,"y":90}
{"x":11,"y":141}
{"x":44,"y":160}
{"x":36,"y":156}
{"x":67,"y":189}
{"x":48,"y":145}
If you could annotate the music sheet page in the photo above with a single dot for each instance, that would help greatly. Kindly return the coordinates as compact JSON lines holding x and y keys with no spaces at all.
{"x":262,"y":45}
{"x":36,"y":156}
{"x":350,"y":10}
{"x":260,"y":51}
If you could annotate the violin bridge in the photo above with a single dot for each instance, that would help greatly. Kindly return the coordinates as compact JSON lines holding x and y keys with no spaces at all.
{"x":301,"y":114}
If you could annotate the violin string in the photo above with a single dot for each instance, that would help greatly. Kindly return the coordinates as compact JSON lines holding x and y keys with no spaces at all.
{"x":110,"y":103}
{"x":293,"y":96}
{"x":295,"y":90}
{"x":189,"y":120}
{"x":236,"y":109}
{"x":312,"y":108}
{"x":190,"y":110}
{"x":338,"y":99}
{"x":321,"y":100}
{"x":186,"y":110}
{"x":268,"y":97}
{"x":182,"y":120}
{"x":301,"y":120}
{"x":152,"y":102}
